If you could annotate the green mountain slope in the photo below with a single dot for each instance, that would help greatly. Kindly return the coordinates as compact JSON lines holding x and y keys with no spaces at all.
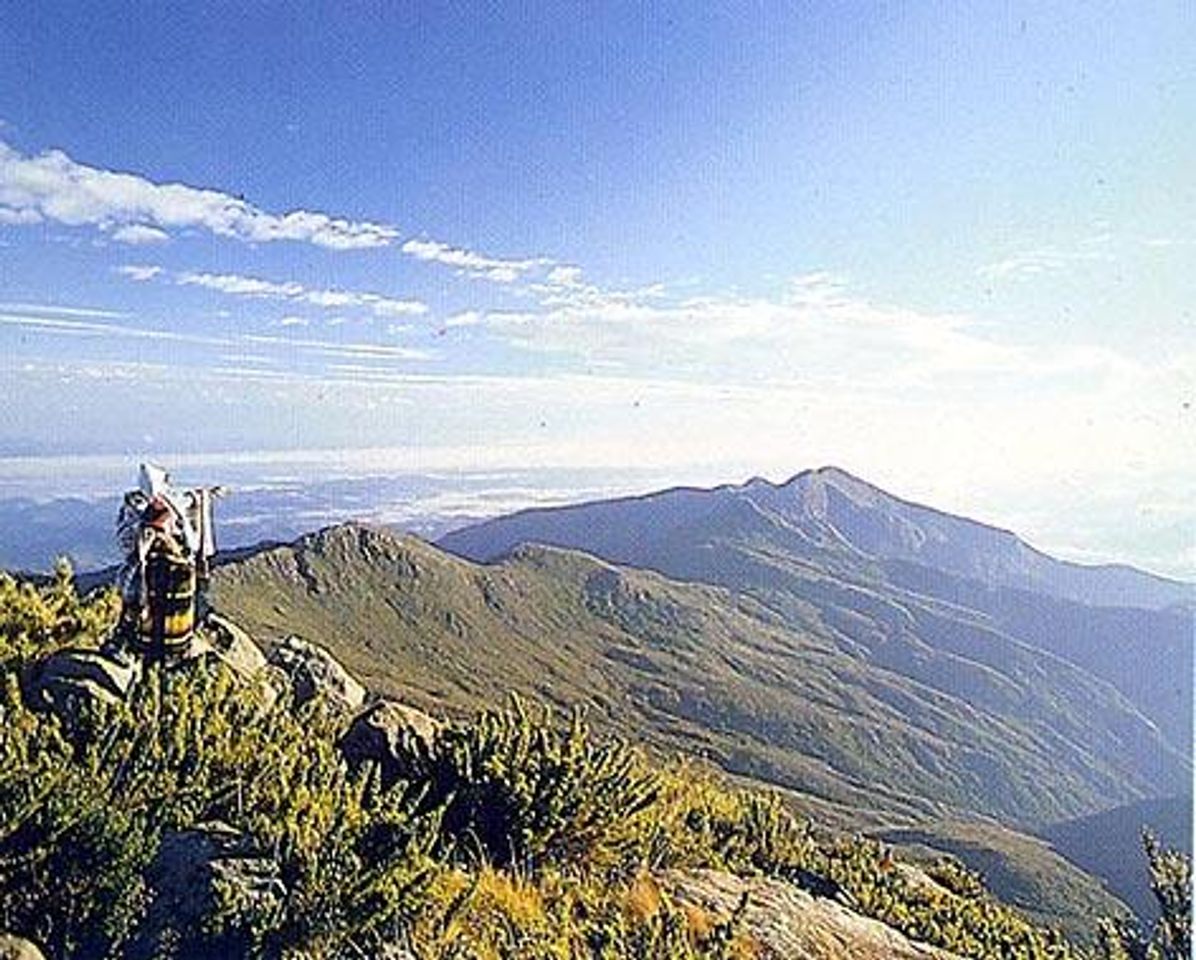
{"x":908,"y":710}
{"x":1025,"y":871}
{"x":877,"y":569}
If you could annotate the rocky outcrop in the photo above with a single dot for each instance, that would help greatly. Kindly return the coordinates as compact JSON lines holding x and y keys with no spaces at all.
{"x":786,"y":922}
{"x":233,"y":646}
{"x":13,"y":947}
{"x":68,"y":681}
{"x":315,"y":672}
{"x":191,"y":870}
{"x":376,"y":735}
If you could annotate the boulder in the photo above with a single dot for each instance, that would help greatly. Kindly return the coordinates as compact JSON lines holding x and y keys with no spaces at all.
{"x":233,"y":646}
{"x":13,"y":947}
{"x":69,"y":679}
{"x":192,"y":870}
{"x":376,"y":736}
{"x":784,"y":921}
{"x":315,"y":672}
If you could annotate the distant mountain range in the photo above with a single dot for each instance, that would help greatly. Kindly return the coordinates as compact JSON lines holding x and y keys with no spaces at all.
{"x":831,"y":540}
{"x":824,"y":515}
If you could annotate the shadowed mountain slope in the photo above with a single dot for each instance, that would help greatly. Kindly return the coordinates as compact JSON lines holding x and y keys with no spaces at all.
{"x":1107,"y":844}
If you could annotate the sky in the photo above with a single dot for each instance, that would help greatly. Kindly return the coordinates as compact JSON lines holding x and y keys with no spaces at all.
{"x":946,"y":246}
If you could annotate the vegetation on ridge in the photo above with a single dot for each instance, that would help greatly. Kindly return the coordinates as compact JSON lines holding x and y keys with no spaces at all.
{"x":508,"y":836}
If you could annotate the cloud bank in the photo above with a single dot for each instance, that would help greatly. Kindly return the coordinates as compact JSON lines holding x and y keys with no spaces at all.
{"x":53,"y":187}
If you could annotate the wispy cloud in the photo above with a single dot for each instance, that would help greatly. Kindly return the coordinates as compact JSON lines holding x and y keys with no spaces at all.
{"x":138,"y":234}
{"x":1041,"y":261}
{"x":57,"y":310}
{"x":53,"y":187}
{"x":91,"y":329}
{"x":815,"y":330}
{"x":139,"y":272}
{"x":474,"y":264}
{"x":288,"y":291}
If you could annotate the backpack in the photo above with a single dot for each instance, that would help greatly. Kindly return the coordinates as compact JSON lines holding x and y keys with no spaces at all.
{"x":166,"y":619}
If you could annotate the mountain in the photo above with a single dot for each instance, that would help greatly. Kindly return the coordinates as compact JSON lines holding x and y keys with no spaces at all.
{"x":698,"y":669}
{"x":900,"y":724}
{"x":1107,"y":844}
{"x":1026,"y":871}
{"x":823,"y":514}
{"x":827,"y":540}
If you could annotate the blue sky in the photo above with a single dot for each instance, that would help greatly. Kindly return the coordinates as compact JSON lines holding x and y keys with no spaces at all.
{"x":947,"y":246}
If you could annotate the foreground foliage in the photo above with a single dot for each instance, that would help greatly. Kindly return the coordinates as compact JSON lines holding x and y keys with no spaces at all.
{"x":510,"y":836}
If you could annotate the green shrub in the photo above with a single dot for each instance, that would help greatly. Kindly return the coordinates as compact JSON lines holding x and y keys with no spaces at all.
{"x":522,"y":791}
{"x":84,"y":819}
{"x":38,"y":618}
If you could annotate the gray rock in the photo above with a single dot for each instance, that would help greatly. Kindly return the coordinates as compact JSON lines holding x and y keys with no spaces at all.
{"x":13,"y":947}
{"x":70,"y":679}
{"x":376,"y":736}
{"x":193,"y":871}
{"x":233,"y":646}
{"x":315,"y":672}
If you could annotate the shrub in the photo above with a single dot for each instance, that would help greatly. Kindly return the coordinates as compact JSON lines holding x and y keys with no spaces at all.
{"x":518,"y":790}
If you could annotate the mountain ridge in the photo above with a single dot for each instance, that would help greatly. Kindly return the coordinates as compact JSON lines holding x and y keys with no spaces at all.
{"x":691,"y":660}
{"x":774,"y":541}
{"x":814,"y":485}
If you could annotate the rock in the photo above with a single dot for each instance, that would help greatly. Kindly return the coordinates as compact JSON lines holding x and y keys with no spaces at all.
{"x":233,"y":646}
{"x":314,"y":671}
{"x":191,"y":866}
{"x":784,"y":921}
{"x":376,"y":735}
{"x":69,"y":679}
{"x":13,"y":947}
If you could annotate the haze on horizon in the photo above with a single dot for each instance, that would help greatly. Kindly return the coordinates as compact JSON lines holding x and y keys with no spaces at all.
{"x":946,"y":247}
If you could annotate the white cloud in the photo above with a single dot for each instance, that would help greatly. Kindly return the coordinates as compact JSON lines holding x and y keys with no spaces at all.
{"x":52,"y":186}
{"x":292,"y":321}
{"x":1042,"y":261}
{"x":240,"y":286}
{"x":815,"y":331}
{"x":19,"y":216}
{"x":475,"y":264}
{"x":139,"y":272}
{"x":57,"y":310}
{"x":291,"y":291}
{"x":138,"y":234}
{"x":91,"y":329}
{"x":360,"y":350}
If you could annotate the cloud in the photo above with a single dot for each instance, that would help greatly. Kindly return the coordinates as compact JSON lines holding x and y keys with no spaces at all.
{"x":19,"y":217}
{"x":292,"y":321}
{"x":53,"y":187}
{"x":1042,"y":261}
{"x":139,"y":272}
{"x":358,"y":350}
{"x":475,"y":264}
{"x":293,"y":292}
{"x":91,"y":329}
{"x":56,"y":310}
{"x":138,"y":234}
{"x":815,"y":330}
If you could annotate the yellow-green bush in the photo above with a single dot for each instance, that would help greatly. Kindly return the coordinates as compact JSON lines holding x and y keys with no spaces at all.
{"x":518,"y":790}
{"x":37,"y":618}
